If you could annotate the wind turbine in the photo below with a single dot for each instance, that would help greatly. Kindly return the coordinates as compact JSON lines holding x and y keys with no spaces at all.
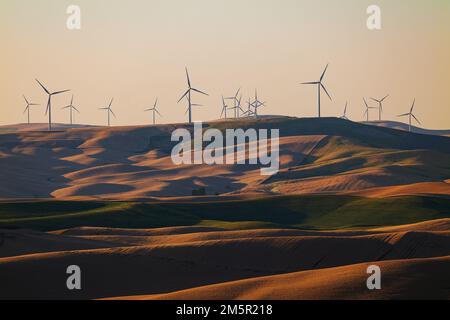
{"x":249,"y":111}
{"x":155,"y":111}
{"x":380,"y":105}
{"x":27,"y":108}
{"x":236,"y":102}
{"x":319,"y":87}
{"x":109,"y":111}
{"x":237,"y":108}
{"x":224,"y":108}
{"x":49,"y":103}
{"x":411,"y":115}
{"x":367,"y":109}
{"x":257,"y":104}
{"x":344,"y":116}
{"x":188,"y":95}
{"x":71,"y":107}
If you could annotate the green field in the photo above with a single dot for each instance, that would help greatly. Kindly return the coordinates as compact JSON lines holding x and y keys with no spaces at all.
{"x":305,"y":212}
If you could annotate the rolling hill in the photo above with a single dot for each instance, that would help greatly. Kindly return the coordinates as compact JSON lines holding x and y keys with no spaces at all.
{"x":325,"y":155}
{"x":405,"y":127}
{"x":110,"y":200}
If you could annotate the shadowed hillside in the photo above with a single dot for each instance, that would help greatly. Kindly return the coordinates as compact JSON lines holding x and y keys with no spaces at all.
{"x":304,"y":212}
{"x":347,"y":195}
{"x":133,"y":163}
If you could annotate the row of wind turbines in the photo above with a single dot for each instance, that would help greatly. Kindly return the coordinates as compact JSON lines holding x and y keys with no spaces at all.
{"x":238,"y":111}
{"x":321,"y":86}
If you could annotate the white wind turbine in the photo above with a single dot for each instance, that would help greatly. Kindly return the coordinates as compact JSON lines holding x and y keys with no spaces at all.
{"x":236,"y":102}
{"x":380,"y":105}
{"x":411,"y":115}
{"x":154,"y":111}
{"x":257,"y":104}
{"x":109,"y":111}
{"x":224,"y":108}
{"x":319,"y":87}
{"x":344,"y":116}
{"x":366,"y":113}
{"x":71,"y":107}
{"x":49,"y":103}
{"x":188,"y":94}
{"x":28,"y":107}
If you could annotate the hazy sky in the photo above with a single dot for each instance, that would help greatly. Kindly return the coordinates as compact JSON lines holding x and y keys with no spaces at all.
{"x":136,"y":50}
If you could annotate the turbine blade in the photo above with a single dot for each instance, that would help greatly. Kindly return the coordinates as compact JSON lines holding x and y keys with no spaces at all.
{"x":110,"y":110}
{"x":323,"y":87}
{"x":323,"y":74}
{"x":184,"y":95}
{"x":416,"y":119}
{"x":26,"y":100}
{"x":385,"y":98}
{"x":25,"y":109}
{"x":110,"y":104}
{"x":315,"y":82}
{"x":59,"y":92}
{"x":45,"y":89}
{"x":237,"y":93}
{"x":365,"y":101}
{"x":403,"y":115}
{"x":76,"y":109}
{"x":412,"y":108}
{"x":156,"y":102}
{"x":196,"y":90}
{"x":187,"y":76}
{"x":71,"y":101}
{"x":158,"y":112}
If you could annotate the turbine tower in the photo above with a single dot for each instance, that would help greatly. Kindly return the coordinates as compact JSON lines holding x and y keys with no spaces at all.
{"x":367,"y":110}
{"x":257,"y":104}
{"x":236,"y":102}
{"x":109,"y":111}
{"x":224,"y":108}
{"x":27,"y":108}
{"x":237,"y":108}
{"x":380,"y":105}
{"x":49,"y":103}
{"x":344,"y":116}
{"x":411,"y":115}
{"x":154,"y":111}
{"x":319,"y":87}
{"x":188,"y":94}
{"x":71,"y":107}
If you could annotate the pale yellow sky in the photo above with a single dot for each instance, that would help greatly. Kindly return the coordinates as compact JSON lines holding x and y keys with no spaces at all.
{"x":137,"y":50}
